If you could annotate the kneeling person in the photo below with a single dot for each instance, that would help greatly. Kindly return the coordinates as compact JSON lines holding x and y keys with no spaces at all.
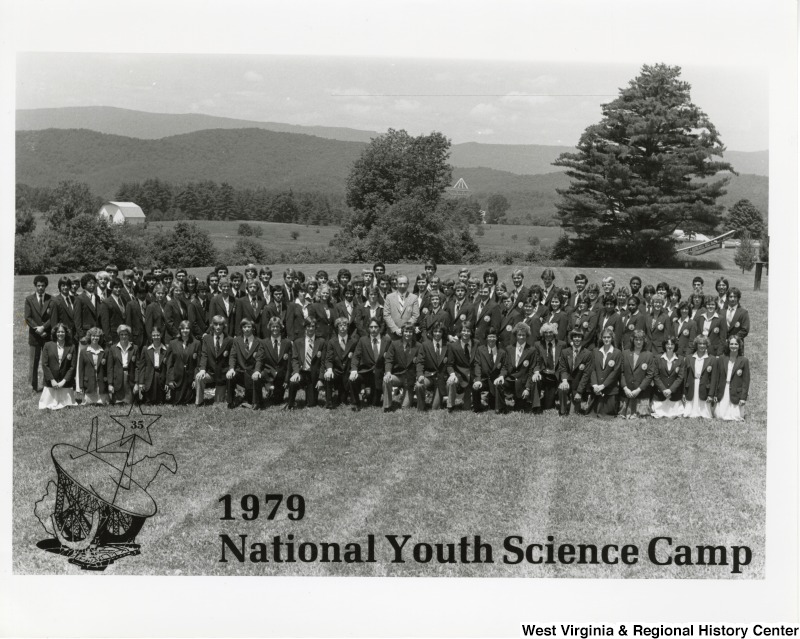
{"x":214,"y":353}
{"x":307,"y":365}
{"x":400,"y":364}
{"x":277,"y":360}
{"x":338,"y":353}
{"x":489,"y":374}
{"x":573,"y":370}
{"x":244,"y":365}
{"x":432,"y":367}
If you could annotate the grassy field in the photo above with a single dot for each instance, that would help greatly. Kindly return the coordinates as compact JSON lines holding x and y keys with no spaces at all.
{"x":437,"y":477}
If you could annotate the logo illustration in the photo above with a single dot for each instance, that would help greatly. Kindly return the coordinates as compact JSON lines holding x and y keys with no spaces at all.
{"x":100,"y":502}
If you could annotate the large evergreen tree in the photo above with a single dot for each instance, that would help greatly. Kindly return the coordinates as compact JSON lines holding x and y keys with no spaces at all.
{"x":642,"y":172}
{"x":743,"y":216}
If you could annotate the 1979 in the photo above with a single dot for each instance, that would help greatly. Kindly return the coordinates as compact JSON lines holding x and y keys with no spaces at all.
{"x":251,"y":506}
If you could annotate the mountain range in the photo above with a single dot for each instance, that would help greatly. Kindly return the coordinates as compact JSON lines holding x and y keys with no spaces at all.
{"x":76,"y":144}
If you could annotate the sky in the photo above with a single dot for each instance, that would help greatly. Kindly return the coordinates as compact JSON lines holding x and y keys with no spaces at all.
{"x":470,"y":100}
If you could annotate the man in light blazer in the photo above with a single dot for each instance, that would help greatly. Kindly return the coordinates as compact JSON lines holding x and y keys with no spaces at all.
{"x":400,"y":308}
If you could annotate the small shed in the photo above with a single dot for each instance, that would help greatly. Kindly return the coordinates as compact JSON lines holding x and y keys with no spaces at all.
{"x":122,"y":213}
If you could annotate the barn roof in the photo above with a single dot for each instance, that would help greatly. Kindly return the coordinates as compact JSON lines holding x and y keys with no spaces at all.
{"x":129,"y":209}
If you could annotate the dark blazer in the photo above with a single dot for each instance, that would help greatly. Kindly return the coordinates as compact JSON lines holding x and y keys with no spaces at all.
{"x":576,"y":371}
{"x":277,"y":364}
{"x":324,"y":315}
{"x":217,"y":307}
{"x":708,"y":378}
{"x":242,"y":359}
{"x":609,"y":374}
{"x":640,"y":376}
{"x":62,"y":313}
{"x":337,"y":358}
{"x":136,"y":320}
{"x":560,"y":319}
{"x":154,"y":316}
{"x":112,"y":314}
{"x":215,"y":361}
{"x":669,"y":379}
{"x":520,"y":296}
{"x":114,"y":368}
{"x":685,"y":332}
{"x":402,"y":361}
{"x":175,"y":311}
{"x":534,"y":322}
{"x":36,"y":315}
{"x":489,"y":317}
{"x":198,"y":317}
{"x":615,"y":322}
{"x":457,"y":361}
{"x":518,"y":371}
{"x":432,"y":366}
{"x":587,"y":324}
{"x":656,"y":335}
{"x":739,"y":325}
{"x":486,"y":371}
{"x":363,"y":317}
{"x":341,"y":311}
{"x":631,"y":323}
{"x":363,"y":359}
{"x":293,"y":319}
{"x":716,"y":332}
{"x":466,"y":313}
{"x":183,"y":361}
{"x":508,"y":320}
{"x":540,"y":356}
{"x":740,"y":379}
{"x":92,"y":379}
{"x":146,"y":374}
{"x":428,"y":318}
{"x":317,"y":354}
{"x":51,"y":368}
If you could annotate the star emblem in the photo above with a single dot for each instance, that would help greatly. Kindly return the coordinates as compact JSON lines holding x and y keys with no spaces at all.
{"x":136,"y":424}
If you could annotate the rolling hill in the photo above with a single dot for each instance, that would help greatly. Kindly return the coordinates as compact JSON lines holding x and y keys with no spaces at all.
{"x":523,"y":159}
{"x":275,"y":160}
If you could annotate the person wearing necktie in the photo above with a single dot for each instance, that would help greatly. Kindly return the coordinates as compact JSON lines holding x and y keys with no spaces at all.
{"x":63,"y":307}
{"x":460,"y":367}
{"x":37,"y":317}
{"x":520,"y":360}
{"x":400,"y":365}
{"x":214,"y":354}
{"x":112,"y":313}
{"x":737,"y":319}
{"x":366,"y":365}
{"x":489,"y":375}
{"x":542,"y":385}
{"x":245,"y":362}
{"x":573,"y":371}
{"x":432,"y":369}
{"x":338,"y":352}
{"x":307,"y":370}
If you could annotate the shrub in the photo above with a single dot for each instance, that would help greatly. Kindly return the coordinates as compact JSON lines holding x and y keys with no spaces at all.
{"x":246,"y":251}
{"x":294,"y":235}
{"x":187,"y":245}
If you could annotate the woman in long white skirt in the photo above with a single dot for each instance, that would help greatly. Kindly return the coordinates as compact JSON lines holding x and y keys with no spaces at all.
{"x":701,"y":381}
{"x":733,"y":384}
{"x":58,"y":366}
{"x":667,"y":401}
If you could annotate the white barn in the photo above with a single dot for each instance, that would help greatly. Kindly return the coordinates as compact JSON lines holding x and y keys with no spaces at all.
{"x":122,"y":212}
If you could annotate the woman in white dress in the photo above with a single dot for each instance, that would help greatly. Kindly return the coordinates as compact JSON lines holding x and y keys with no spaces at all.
{"x":91,"y":378}
{"x":668,"y":398}
{"x":733,"y":383}
{"x":701,"y":381}
{"x":58,"y":366}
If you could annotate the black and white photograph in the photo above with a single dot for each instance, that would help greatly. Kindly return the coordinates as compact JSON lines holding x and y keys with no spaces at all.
{"x":410,"y":295}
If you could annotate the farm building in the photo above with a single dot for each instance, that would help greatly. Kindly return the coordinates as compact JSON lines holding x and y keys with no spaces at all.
{"x":122,"y":213}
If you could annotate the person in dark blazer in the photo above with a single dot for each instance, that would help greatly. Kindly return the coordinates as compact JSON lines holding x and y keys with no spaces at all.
{"x":735,"y":318}
{"x":712,"y":326}
{"x":669,"y":377}
{"x":367,"y":364}
{"x":460,"y":310}
{"x":91,"y":369}
{"x":184,"y":355}
{"x":175,"y":311}
{"x":59,"y":359}
{"x":224,"y":304}
{"x":432,"y":368}
{"x":581,"y":281}
{"x":519,"y":292}
{"x":638,"y":372}
{"x":701,"y":379}
{"x":489,"y":370}
{"x":609,"y":318}
{"x":136,"y":315}
{"x":151,"y":370}
{"x":460,"y":366}
{"x":659,"y":325}
{"x":487,"y":314}
{"x":154,"y":316}
{"x":433,"y":314}
{"x":519,"y":360}
{"x":733,"y":380}
{"x":215,"y":349}
{"x":372,"y":309}
{"x":605,"y":376}
{"x":347,"y":308}
{"x":277,"y":359}
{"x":38,"y":311}
{"x":323,"y":313}
{"x":574,"y":369}
{"x":338,"y":352}
{"x":293,"y":317}
{"x":542,"y":384}
{"x":198,"y":308}
{"x":64,"y":306}
{"x":245,"y":362}
{"x":307,"y":360}
{"x":112,"y":312}
{"x":121,"y":367}
{"x":556,"y":315}
{"x":634,"y":320}
{"x":548,"y":288}
{"x":510,"y":316}
{"x":532,"y":318}
{"x":585,"y":322}
{"x":400,"y":367}
{"x":684,"y":329}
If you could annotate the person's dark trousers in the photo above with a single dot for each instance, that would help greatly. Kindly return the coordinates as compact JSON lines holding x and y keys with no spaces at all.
{"x":308,"y":384}
{"x":35,"y":358}
{"x":365,"y":380}
{"x":549,"y":391}
{"x":339,"y":383}
{"x":567,"y":403}
{"x":276,"y":392}
{"x":252,"y":389}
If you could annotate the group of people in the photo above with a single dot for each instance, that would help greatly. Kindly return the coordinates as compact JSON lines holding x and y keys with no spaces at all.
{"x":368,"y":340}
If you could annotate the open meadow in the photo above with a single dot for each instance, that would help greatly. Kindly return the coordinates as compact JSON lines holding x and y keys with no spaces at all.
{"x":434,"y":476}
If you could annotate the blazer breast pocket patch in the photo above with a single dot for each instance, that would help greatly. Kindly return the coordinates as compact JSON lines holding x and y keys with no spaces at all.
{"x":611,"y":362}
{"x":708,"y":369}
{"x":644,"y":367}
{"x":581,"y":367}
{"x":716,"y":330}
{"x":739,"y":372}
{"x":525,"y":363}
{"x":286,"y":356}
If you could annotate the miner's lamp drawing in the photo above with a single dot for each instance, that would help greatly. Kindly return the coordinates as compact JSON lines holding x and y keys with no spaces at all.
{"x":100,"y":501}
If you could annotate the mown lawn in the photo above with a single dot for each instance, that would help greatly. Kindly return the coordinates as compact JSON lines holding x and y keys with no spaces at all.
{"x":437,"y":476}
